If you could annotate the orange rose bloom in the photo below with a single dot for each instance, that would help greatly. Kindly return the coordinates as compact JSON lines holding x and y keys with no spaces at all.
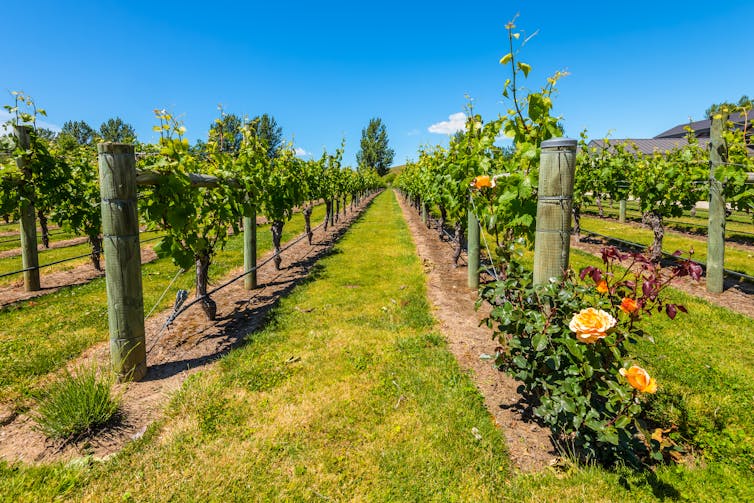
{"x":638,"y":378}
{"x":602,"y":286}
{"x":591,"y":324}
{"x":629,"y":306}
{"x":482,"y":181}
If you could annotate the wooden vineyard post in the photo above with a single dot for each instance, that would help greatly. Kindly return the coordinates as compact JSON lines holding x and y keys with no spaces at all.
{"x":716,"y":224}
{"x":473,"y":249}
{"x":120,"y":228}
{"x":250,"y":250}
{"x":29,"y":255}
{"x":555,"y":197}
{"x":622,"y":211}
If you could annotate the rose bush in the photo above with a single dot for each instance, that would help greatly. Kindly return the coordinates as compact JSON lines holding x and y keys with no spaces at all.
{"x":568,"y":343}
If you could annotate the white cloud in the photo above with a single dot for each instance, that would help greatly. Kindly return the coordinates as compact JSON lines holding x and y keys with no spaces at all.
{"x":456,"y":122}
{"x":413,"y":132}
{"x":300,"y":152}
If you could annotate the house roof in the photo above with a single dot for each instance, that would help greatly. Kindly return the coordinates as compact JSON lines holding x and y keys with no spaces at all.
{"x":648,"y":146}
{"x":701,"y":128}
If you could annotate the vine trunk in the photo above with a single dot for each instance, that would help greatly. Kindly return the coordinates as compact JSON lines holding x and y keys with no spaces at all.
{"x":277,"y":234}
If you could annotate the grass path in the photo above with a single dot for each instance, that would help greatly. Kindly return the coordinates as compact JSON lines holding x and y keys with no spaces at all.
{"x":348,"y":394}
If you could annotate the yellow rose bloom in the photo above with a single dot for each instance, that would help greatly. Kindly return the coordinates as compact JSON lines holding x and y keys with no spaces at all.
{"x":591,"y":325}
{"x":482,"y":181}
{"x":638,"y":378}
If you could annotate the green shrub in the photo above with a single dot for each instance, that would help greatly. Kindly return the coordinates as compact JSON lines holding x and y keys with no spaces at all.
{"x":568,"y":343}
{"x":77,"y":405}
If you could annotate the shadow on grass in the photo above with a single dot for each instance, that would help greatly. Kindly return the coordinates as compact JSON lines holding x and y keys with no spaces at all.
{"x":661,"y":490}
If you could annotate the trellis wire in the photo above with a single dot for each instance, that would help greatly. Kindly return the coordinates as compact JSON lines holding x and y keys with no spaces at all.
{"x":45,"y":265}
{"x":686,"y":224}
{"x":180,"y":271}
{"x":450,"y":237}
{"x":18,"y":238}
{"x":181,"y":308}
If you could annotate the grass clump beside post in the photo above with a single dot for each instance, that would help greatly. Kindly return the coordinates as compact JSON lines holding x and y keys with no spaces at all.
{"x":77,"y":404}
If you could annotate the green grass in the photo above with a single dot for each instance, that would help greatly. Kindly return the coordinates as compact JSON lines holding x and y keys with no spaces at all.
{"x":738,"y":226}
{"x":371,"y":407}
{"x":40,"y":335}
{"x":736,"y":259}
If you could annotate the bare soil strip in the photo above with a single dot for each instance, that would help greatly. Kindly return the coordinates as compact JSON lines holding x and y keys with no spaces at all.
{"x":452,"y":302}
{"x":191,"y":343}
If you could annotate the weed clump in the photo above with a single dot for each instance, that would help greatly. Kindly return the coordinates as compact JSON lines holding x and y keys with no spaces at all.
{"x":77,"y":405}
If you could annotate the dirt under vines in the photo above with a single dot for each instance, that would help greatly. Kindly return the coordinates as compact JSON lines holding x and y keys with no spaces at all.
{"x":529,"y":443}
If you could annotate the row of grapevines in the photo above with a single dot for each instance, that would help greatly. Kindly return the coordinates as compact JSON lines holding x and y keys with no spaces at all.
{"x":665,"y":184}
{"x":61,"y":180}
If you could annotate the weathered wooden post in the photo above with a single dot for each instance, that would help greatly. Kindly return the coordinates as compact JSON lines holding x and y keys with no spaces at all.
{"x":555,"y":197}
{"x":29,"y":255}
{"x":120,"y":227}
{"x":716,"y":224}
{"x":424,"y":212}
{"x":472,"y":245}
{"x":622,"y":211}
{"x":250,"y":249}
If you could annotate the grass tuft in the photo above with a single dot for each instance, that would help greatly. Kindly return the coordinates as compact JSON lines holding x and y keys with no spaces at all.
{"x":77,"y":405}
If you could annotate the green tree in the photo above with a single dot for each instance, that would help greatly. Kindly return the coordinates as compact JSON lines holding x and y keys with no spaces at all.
{"x":227,"y":132}
{"x":47,"y":134}
{"x":375,"y":153}
{"x":268,"y":130}
{"x":116,"y":130}
{"x":80,"y":131}
{"x":728,"y":106}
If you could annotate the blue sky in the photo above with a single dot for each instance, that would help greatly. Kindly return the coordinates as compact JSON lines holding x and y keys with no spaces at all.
{"x":323,"y":69}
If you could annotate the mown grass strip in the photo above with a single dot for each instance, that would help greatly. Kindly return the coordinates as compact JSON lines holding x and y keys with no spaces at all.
{"x":38,"y":336}
{"x":349,"y":393}
{"x":700,"y":216}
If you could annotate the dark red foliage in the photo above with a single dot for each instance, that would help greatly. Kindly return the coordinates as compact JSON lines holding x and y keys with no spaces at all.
{"x":653,"y":278}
